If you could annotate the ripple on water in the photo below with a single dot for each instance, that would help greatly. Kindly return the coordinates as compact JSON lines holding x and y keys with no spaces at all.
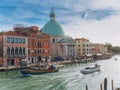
{"x":68,"y":78}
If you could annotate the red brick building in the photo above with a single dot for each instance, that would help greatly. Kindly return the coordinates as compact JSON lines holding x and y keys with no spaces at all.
{"x":24,"y":44}
{"x":38,"y":43}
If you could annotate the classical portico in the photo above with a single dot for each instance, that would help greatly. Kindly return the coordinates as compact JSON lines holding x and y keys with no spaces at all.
{"x":67,"y":47}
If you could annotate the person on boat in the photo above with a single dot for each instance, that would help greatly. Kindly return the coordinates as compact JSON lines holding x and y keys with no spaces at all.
{"x":96,"y":65}
{"x":52,"y":67}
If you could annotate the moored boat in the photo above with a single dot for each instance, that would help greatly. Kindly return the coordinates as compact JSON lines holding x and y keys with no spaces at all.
{"x":91,"y":69}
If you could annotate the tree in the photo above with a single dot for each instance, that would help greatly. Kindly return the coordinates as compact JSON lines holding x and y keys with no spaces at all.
{"x":116,"y":49}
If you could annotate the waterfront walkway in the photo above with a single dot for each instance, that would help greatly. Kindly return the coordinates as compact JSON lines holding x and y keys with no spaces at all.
{"x":59,"y":63}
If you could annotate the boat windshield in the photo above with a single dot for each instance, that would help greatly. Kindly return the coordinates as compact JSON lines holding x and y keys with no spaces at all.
{"x":90,"y":67}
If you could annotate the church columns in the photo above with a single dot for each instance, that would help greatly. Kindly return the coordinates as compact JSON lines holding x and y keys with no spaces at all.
{"x":72,"y":50}
{"x":66,"y":50}
{"x":75,"y":50}
{"x":62,"y":50}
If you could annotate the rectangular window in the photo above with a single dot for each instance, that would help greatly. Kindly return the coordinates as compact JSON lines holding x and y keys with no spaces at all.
{"x":38,"y":51}
{"x":8,"y":39}
{"x":23,"y":41}
{"x":35,"y":51}
{"x":53,"y":40}
{"x":28,"y":52}
{"x":83,"y":45}
{"x":20,"y":40}
{"x":16,"y":40}
{"x":11,"y":40}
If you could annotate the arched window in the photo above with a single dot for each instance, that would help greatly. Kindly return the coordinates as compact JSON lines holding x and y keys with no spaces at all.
{"x":20,"y":51}
{"x":12,"y":51}
{"x":35,"y":51}
{"x":28,"y":51}
{"x":40,"y":44}
{"x":23,"y":51}
{"x":16,"y":51}
{"x":8,"y":51}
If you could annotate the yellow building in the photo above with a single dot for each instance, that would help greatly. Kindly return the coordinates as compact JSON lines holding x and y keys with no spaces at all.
{"x":82,"y":46}
{"x":99,"y":49}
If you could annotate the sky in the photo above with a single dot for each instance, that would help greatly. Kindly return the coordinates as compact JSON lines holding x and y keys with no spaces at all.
{"x":96,"y":20}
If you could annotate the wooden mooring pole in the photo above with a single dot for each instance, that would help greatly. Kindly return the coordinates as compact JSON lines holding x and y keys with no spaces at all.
{"x":105,"y":84}
{"x":101,"y":86}
{"x":86,"y":87}
{"x":112,"y":85}
{"x":6,"y":73}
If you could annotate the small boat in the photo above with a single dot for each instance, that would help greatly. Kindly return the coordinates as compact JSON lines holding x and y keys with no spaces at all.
{"x":91,"y":69}
{"x":37,"y":71}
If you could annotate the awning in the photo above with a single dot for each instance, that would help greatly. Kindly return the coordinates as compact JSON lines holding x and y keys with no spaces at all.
{"x":89,"y":55}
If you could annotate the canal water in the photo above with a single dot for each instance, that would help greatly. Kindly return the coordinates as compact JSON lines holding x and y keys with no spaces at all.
{"x":68,"y":78}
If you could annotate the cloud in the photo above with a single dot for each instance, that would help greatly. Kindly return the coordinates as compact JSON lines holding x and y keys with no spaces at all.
{"x":97,"y":31}
{"x":98,"y":4}
{"x":97,"y":20}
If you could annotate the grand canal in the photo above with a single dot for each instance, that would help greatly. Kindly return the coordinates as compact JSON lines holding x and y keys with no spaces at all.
{"x":68,"y":78}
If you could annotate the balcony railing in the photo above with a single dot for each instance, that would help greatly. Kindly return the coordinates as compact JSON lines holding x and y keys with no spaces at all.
{"x":14,"y":56}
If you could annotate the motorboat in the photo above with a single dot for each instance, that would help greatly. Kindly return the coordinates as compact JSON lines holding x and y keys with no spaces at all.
{"x":91,"y":69}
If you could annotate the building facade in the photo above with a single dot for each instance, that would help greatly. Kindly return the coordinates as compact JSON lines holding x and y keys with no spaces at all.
{"x":100,"y":49}
{"x":83,"y":46}
{"x":67,"y":48}
{"x":13,"y":48}
{"x":38,"y":43}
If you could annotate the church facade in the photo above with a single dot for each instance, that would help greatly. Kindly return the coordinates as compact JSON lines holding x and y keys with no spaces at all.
{"x":60,"y":45}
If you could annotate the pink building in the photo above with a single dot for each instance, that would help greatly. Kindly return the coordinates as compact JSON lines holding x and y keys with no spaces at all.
{"x":13,"y":48}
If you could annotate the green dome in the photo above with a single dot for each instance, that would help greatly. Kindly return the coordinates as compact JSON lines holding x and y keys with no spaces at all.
{"x":53,"y":29}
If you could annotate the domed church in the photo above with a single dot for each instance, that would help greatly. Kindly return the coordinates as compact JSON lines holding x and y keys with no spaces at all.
{"x":60,"y":45}
{"x":53,"y":28}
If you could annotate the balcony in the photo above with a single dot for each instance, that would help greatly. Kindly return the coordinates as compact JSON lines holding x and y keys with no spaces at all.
{"x":15,"y":56}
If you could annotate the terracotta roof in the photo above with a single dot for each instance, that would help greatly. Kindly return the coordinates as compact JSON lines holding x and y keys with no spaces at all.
{"x":12,"y":33}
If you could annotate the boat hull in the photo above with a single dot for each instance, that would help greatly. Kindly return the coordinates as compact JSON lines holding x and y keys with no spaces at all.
{"x":88,"y":71}
{"x":36,"y":72}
